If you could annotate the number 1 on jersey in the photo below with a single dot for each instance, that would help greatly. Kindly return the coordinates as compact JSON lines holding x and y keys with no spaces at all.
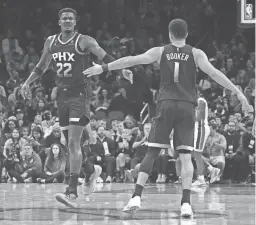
{"x":176,"y":72}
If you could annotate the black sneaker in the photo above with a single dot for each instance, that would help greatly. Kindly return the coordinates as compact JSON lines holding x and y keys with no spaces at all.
{"x":67,"y":198}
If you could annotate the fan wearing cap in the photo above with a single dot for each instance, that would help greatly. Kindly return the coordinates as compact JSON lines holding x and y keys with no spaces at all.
{"x":69,"y":53}
{"x":19,"y":113}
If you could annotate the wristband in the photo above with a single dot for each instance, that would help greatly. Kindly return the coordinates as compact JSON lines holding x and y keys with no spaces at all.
{"x":105,"y":68}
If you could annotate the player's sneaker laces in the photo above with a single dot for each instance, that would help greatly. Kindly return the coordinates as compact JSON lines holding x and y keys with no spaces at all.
{"x":186,"y":211}
{"x":67,"y":198}
{"x":90,"y":181}
{"x":214,"y":174}
{"x":199,"y":182}
{"x":133,"y":205}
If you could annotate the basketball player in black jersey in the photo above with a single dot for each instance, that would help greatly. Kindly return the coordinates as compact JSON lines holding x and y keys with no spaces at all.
{"x":175,"y":106}
{"x":69,"y":53}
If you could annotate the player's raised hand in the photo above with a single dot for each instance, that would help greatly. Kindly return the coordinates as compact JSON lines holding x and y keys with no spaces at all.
{"x":128,"y":75}
{"x":25,"y":91}
{"x":96,"y":69}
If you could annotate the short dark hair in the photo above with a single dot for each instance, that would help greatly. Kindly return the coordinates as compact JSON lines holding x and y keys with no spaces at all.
{"x":67,"y":10}
{"x":178,"y":28}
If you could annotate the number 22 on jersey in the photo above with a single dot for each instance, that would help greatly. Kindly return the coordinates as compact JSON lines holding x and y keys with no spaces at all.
{"x":64,"y":69}
{"x":176,"y":72}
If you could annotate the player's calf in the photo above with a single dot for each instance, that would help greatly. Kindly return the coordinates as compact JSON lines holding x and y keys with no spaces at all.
{"x":187,"y":170}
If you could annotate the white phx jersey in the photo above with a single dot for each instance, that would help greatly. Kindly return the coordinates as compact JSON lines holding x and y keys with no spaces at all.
{"x":202,"y":129}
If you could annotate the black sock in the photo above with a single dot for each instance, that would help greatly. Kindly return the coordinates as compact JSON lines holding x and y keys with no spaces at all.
{"x":138,"y":190}
{"x":185,"y":196}
{"x":73,"y":182}
{"x":88,"y":167}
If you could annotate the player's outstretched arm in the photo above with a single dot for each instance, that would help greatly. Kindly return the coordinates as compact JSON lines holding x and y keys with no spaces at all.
{"x":90,"y":44}
{"x":152,"y":55}
{"x":43,"y":64}
{"x":40,"y":68}
{"x":204,"y":64}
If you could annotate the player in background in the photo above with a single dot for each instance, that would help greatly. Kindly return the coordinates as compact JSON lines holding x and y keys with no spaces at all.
{"x":202,"y":131}
{"x":69,"y":52}
{"x":175,"y":106}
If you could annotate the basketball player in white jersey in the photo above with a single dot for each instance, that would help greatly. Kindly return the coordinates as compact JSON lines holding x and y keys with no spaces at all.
{"x":202,"y":131}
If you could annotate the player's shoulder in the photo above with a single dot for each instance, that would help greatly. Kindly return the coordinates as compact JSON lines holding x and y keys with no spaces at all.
{"x":198,"y":52}
{"x":87,"y":38}
{"x":202,"y":101}
{"x":49,"y":40}
{"x":87,"y":41}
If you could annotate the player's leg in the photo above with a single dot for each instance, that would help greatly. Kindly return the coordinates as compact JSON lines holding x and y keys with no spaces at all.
{"x":201,"y":133}
{"x":75,"y":131}
{"x":184,"y":142}
{"x":158,"y":139}
{"x":178,"y":171}
{"x":63,"y":113}
{"x":87,"y":165}
{"x":92,"y":172}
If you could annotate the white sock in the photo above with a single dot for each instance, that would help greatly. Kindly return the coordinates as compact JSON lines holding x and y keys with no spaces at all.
{"x":201,"y":177}
{"x":210,"y":168}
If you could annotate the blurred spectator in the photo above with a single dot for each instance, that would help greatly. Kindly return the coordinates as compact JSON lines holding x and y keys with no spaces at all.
{"x":55,"y":137}
{"x":31,"y":58}
{"x":30,"y":166}
{"x":10,"y":45}
{"x":243,"y":162}
{"x":103,"y":153}
{"x":125,"y":152}
{"x":161,"y":164}
{"x":140,"y":145}
{"x":232,"y":138}
{"x":54,"y":167}
{"x":215,"y":147}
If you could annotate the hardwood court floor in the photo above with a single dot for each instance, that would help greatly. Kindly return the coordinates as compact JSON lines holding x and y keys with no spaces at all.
{"x":33,"y":204}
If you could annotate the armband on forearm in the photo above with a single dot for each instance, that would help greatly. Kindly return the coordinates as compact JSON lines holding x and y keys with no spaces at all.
{"x":105,"y":68}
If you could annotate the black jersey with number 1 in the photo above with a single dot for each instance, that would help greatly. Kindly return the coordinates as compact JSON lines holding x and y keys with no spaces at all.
{"x":178,"y":74}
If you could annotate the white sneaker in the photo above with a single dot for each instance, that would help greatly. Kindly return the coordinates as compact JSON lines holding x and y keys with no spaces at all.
{"x":199,"y":182}
{"x":14,"y":180}
{"x":109,"y":179}
{"x":80,"y":180}
{"x":163,"y":180}
{"x":67,"y":198}
{"x":159,"y":178}
{"x":90,"y":182}
{"x":179,"y":181}
{"x":186,"y":210}
{"x":99,"y":180}
{"x":214,"y":174}
{"x":133,"y":205}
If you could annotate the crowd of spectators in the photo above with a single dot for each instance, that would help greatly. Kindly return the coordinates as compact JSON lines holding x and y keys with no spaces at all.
{"x":32,"y":146}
